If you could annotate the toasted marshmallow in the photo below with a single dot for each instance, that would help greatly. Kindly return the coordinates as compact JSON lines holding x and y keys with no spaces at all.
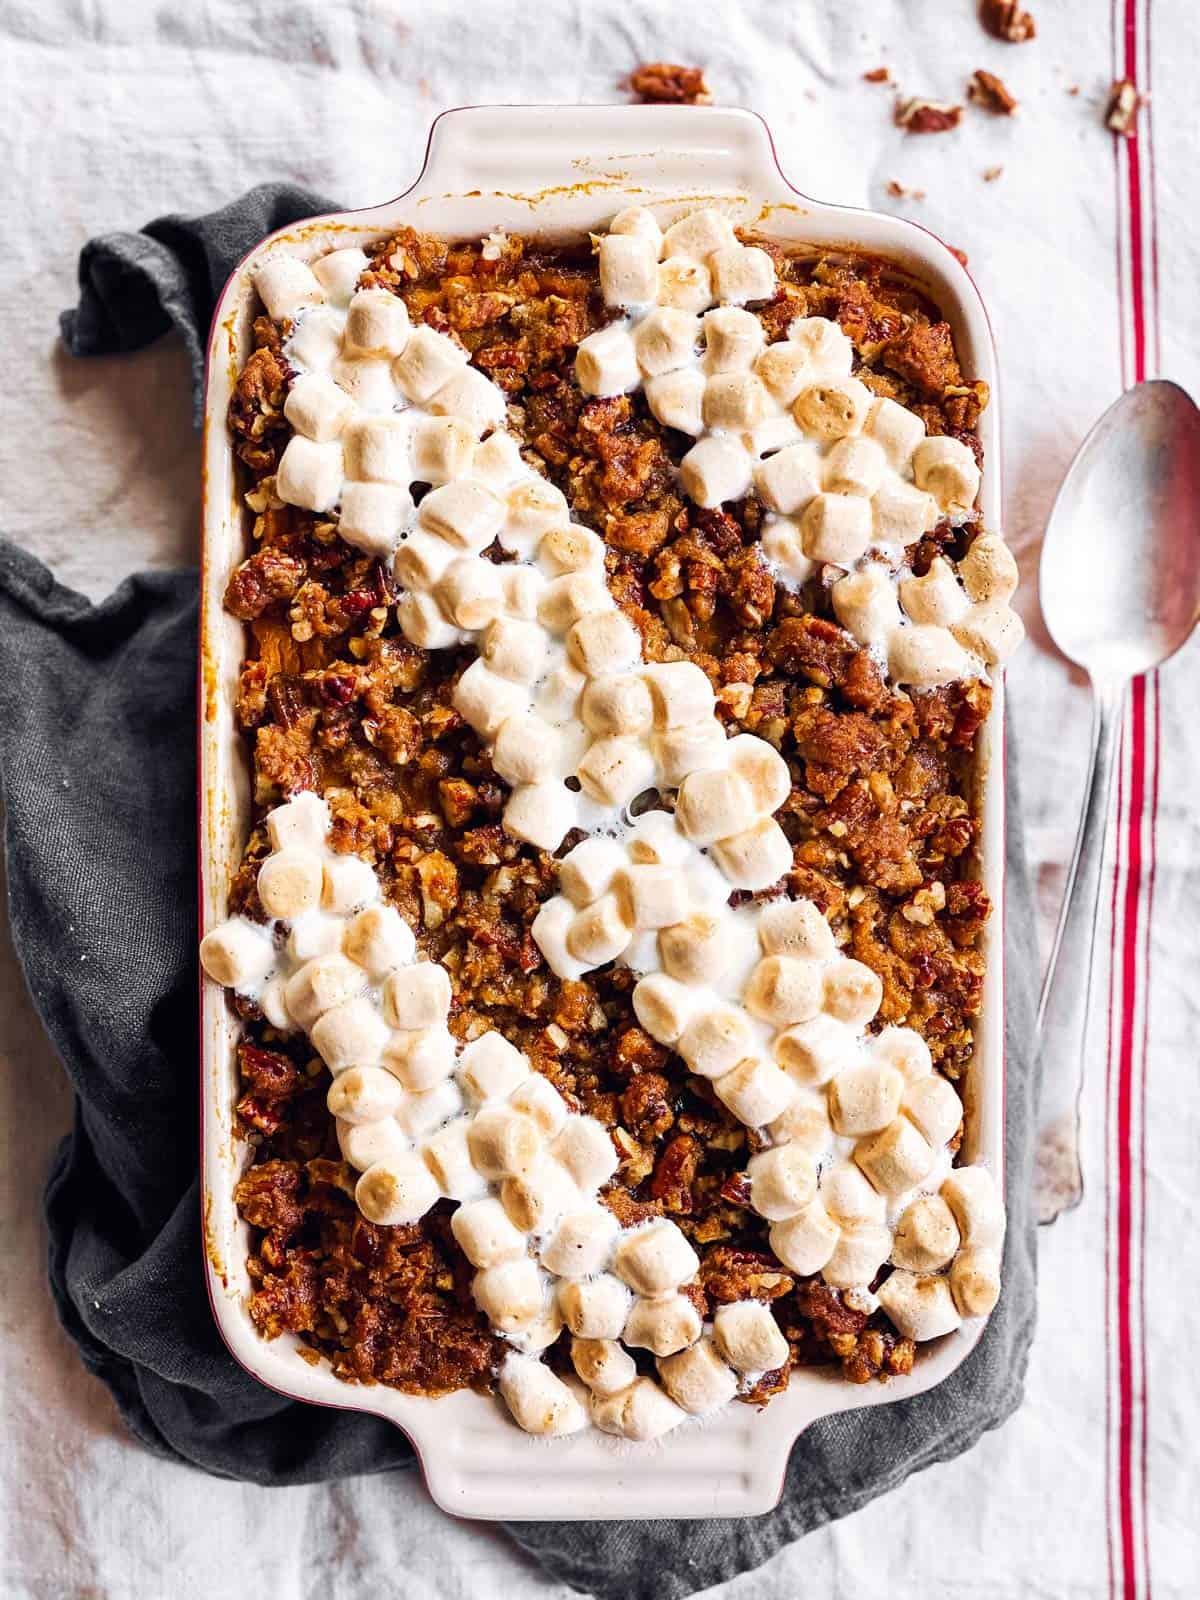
{"x":317,"y":408}
{"x":497,"y":462}
{"x":604,"y":642}
{"x":756,"y":857}
{"x":606,"y":362}
{"x":921,"y":1308}
{"x":588,"y":871}
{"x":313,"y":935}
{"x":537,"y":1098}
{"x":989,"y":570}
{"x":714,"y":805}
{"x":783,"y":990}
{"x":581,"y":1243}
{"x":526,"y":749}
{"x":540,"y":814}
{"x":316,"y":344}
{"x":485,"y":1235}
{"x":697,"y":1379}
{"x":734,"y":401}
{"x":715,"y":471}
{"x":749,"y":1338}
{"x":895,"y":1159}
{"x":925,"y":656}
{"x":303,"y":820}
{"x":865,"y":604}
{"x":991,"y":632}
{"x":571,"y":549}
{"x":975,"y":1281}
{"x":698,"y":234}
{"x":680,"y":692}
{"x":237,"y":954}
{"x":471,"y":398}
{"x":970,"y":1192}
{"x":366,"y":379}
{"x":786,"y":368}
{"x":937,"y":597}
{"x":515,"y":649}
{"x":447,"y":1154}
{"x":417,"y":996}
{"x":376,"y":450}
{"x":676,"y":399}
{"x":836,"y":528}
{"x":338,"y":273}
{"x":568,"y":598}
{"x":463,"y":513}
{"x":665,"y":1325}
{"x":423,"y":624}
{"x":733,"y":339}
{"x":374,"y":515}
{"x":903,"y":1049}
{"x":935,"y":1108}
{"x":805,"y":1124}
{"x":599,"y":932}
{"x":795,"y":928}
{"x":420,"y":1057}
{"x":900,"y":514}
{"x":655,"y":897}
{"x":364,"y":1143}
{"x":833,"y":408}
{"x":286,"y":286}
{"x":857,"y":1257}
{"x":686,"y":285}
{"x":586,"y":1152}
{"x":540,"y":1402}
{"x":376,"y":324}
{"x":504,"y":1143}
{"x":699,"y":747}
{"x":470,"y":593}
{"x":422,"y":1114}
{"x":399,"y":1190}
{"x":320,"y":985}
{"x":742,"y":274}
{"x":364,"y":1094}
{"x":310,"y":474}
{"x":615,"y":771}
{"x":757,"y":1092}
{"x":849,"y":1199}
{"x":485,"y":700}
{"x":421,"y":559}
{"x":804,"y":1243}
{"x":814,"y":1052}
{"x":655,"y":1259}
{"x":863,"y":1099}
{"x":716,"y":1038}
{"x":665,"y":340}
{"x":854,"y":466}
{"x":853,"y":993}
{"x":429,"y":360}
{"x":895,"y":429}
{"x":694,"y":951}
{"x":617,"y":704}
{"x":603,"y":1365}
{"x":640,"y":221}
{"x":347,"y":883}
{"x":946,"y":469}
{"x":926,"y":1235}
{"x":595,"y":1308}
{"x":442,"y":449}
{"x":490,"y":1068}
{"x":787,"y":481}
{"x":628,"y":269}
{"x":535,"y":1202}
{"x":782,"y":1182}
{"x":829,"y":349}
{"x":783,"y":549}
{"x":640,"y":1413}
{"x":761,"y":766}
{"x":549,"y":930}
{"x":535,"y":508}
{"x":509,"y":1294}
{"x":663,"y":1007}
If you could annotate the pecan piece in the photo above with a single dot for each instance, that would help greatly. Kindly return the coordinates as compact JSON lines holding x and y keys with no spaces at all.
{"x":991,"y":92}
{"x":927,"y":116}
{"x":664,"y":83}
{"x":1005,"y":19}
{"x":1124,"y":103}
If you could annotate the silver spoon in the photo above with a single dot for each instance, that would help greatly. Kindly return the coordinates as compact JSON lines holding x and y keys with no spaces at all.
{"x":1120,"y":592}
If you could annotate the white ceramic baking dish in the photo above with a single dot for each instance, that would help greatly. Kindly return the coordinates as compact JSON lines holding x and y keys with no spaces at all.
{"x":557,"y":171}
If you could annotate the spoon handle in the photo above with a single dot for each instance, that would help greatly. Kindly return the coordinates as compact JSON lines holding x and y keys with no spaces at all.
{"x":1067,"y":990}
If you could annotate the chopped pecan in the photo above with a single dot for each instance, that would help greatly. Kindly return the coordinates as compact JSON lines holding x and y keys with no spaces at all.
{"x":1007,"y":20}
{"x":1124,"y":103}
{"x":990,"y":92}
{"x":927,"y":116}
{"x":268,"y":575}
{"x":664,"y":83}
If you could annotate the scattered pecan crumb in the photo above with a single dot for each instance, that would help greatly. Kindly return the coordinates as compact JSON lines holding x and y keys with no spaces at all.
{"x":1005,"y":19}
{"x":959,"y":255}
{"x":991,"y":174}
{"x":990,"y":92}
{"x":1124,"y":103}
{"x":927,"y":116}
{"x":899,"y":192}
{"x":877,"y":75}
{"x":663,"y":83}
{"x":1073,"y":89}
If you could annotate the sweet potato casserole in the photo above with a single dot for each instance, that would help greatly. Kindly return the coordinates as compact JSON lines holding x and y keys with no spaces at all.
{"x":609,"y":941}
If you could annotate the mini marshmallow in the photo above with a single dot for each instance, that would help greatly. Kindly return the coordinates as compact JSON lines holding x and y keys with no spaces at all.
{"x":757,"y":857}
{"x":854,"y":466}
{"x":863,"y":1099}
{"x":537,"y":1098}
{"x":685,"y":285}
{"x":447,"y":1154}
{"x":640,"y":1413}
{"x":603,"y":1365}
{"x":515,"y":649}
{"x":925,"y":656}
{"x":303,"y":820}
{"x":655,"y":1259}
{"x":814,"y":1052}
{"x":975,"y":1282}
{"x":286,"y":285}
{"x":714,"y":805}
{"x":628,"y":269}
{"x":836,"y":528}
{"x":312,"y":935}
{"x":273,"y":1006}
{"x":903,"y":1049}
{"x":396,"y":1191}
{"x":606,"y":362}
{"x":497,"y":462}
{"x":935,"y":1108}
{"x":485,"y":700}
{"x":865,"y":604}
{"x":615,"y":771}
{"x":320,"y":985}
{"x":586,"y":1152}
{"x":569,"y":598}
{"x":469,"y":592}
{"x":599,"y":932}
{"x":315,"y":346}
{"x":571,"y":549}
{"x":442,"y":448}
{"x":417,"y":996}
{"x":716,"y":1038}
{"x":604,"y":642}
{"x":936,"y":598}
{"x":895,"y":429}
{"x":757,"y":1092}
{"x":857,"y":1257}
{"x":805,"y":1124}
{"x":849,"y":1199}
{"x":676,"y":399}
{"x":782,"y":990}
{"x":503,"y":1143}
{"x":733,"y":338}
{"x":828,"y":347}
{"x":921,"y":1308}
{"x":762,"y":768}
{"x":947,"y":470}
{"x":749,"y":1338}
{"x":734,"y":401}
{"x":694,"y":951}
{"x":421,"y":559}
{"x":376,"y":450}
{"x":464,"y":513}
{"x":664,"y":1325}
{"x":681,"y":751}
{"x":833,"y":408}
{"x":795,"y":928}
{"x":526,"y":749}
{"x":663,"y":1006}
{"x":364,"y":1095}
{"x":641,"y":222}
{"x":310,"y":474}
{"x":376,"y":324}
{"x":618,"y":704}
{"x":656,"y":841}
{"x":741,"y":274}
{"x":782,"y":1182}
{"x":783,"y":547}
{"x":428,"y":361}
{"x":895,"y":1159}
{"x":540,"y":814}
{"x":535,"y":508}
{"x":549,"y":930}
{"x":588,"y":871}
{"x":989,"y":570}
{"x":374,"y":515}
{"x":348,"y":882}
{"x":237,"y":954}
{"x":366,"y":379}
{"x":490,"y":1068}
{"x":787,"y":481}
{"x":595,"y":1308}
{"x":655,"y":897}
{"x":522,"y":587}
{"x":422,"y":1114}
{"x":509,"y":1294}
{"x":680,"y":692}
{"x":805,"y":1243}
{"x":535,"y":1202}
{"x":697,"y":1379}
{"x":786,"y":369}
{"x":421,"y":620}
{"x":485,"y":1235}
{"x":581,"y":1243}
{"x":339,"y":272}
{"x":970,"y":1192}
{"x":698,"y":234}
{"x":853,"y":993}
{"x":926,"y":1235}
{"x":541,"y":1333}
{"x":715,"y":471}
{"x":666,"y":340}
{"x":420,"y":1057}
{"x":777,"y":431}
{"x":540,"y":1402}
{"x":991,"y":632}
{"x":472,"y":398}
{"x":364,"y":1143}
{"x":317,"y":408}
{"x":901,"y":514}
